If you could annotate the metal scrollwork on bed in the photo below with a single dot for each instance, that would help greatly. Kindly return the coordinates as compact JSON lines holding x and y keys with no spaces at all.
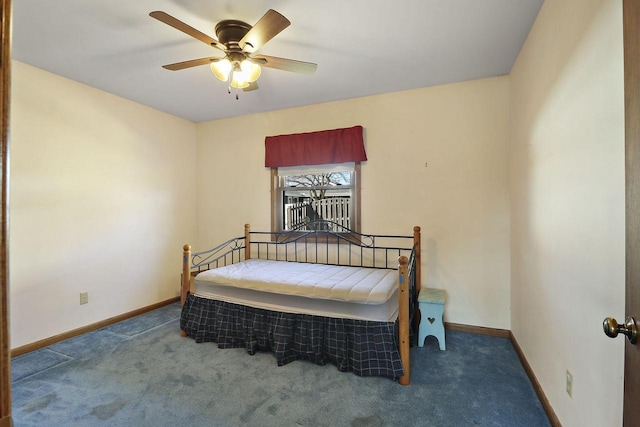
{"x":325,"y":242}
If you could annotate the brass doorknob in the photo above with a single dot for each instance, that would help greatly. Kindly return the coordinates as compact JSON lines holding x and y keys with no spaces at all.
{"x":612,"y":328}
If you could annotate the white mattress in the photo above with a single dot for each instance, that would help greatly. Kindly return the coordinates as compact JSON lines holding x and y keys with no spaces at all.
{"x":323,"y":290}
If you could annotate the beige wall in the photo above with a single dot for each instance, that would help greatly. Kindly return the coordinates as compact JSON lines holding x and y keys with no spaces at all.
{"x":102,"y":196}
{"x":567,"y":206}
{"x":460,"y":200}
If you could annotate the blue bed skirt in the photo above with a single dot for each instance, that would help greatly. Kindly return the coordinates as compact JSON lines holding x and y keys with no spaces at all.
{"x":365,"y":348}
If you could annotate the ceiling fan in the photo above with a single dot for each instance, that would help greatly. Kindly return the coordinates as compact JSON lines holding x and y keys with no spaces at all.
{"x":239,"y":41}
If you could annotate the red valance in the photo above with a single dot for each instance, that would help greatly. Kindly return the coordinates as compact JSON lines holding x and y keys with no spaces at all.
{"x":315,"y":148}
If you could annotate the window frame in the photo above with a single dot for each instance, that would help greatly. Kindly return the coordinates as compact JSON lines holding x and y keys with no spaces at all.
{"x":277,"y":200}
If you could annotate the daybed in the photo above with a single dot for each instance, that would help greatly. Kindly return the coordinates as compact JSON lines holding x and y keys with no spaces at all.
{"x":323,"y":294}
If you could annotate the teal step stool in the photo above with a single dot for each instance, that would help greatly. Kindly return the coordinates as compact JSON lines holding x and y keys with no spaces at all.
{"x":431,"y":303}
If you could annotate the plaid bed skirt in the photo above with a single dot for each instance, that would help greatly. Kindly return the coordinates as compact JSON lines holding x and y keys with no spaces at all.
{"x":363,"y":347}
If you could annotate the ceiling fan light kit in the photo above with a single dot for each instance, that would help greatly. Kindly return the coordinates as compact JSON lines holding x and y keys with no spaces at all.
{"x":238,"y":73}
{"x":239,"y":41}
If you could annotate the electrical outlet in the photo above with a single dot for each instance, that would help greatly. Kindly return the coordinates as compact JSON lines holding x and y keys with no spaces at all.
{"x":84,"y":298}
{"x":569,"y":383}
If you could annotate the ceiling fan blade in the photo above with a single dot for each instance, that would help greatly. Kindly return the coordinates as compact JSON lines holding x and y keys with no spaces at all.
{"x":179,"y":25}
{"x":285,"y":64}
{"x":188,"y":64}
{"x":252,"y":86}
{"x":265,"y":29}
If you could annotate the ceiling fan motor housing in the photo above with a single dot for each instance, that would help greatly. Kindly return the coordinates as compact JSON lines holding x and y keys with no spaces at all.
{"x":231,"y":31}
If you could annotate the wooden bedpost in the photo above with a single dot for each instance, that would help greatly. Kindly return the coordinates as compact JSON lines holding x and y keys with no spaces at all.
{"x":416,"y":243}
{"x":418,"y":275}
{"x":403,"y":318}
{"x":247,"y":241}
{"x":186,"y":273}
{"x":186,"y":278}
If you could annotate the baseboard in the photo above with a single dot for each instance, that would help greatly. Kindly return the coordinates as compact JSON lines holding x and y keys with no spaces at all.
{"x":505,"y":333}
{"x":553,"y":418}
{"x":480,"y":330}
{"x":18,"y":351}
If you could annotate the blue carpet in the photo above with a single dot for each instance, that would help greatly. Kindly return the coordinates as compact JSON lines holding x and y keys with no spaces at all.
{"x":140,"y":372}
{"x":36,"y":362}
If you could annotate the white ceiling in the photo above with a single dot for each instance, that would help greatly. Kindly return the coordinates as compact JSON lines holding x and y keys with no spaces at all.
{"x":362,"y":47}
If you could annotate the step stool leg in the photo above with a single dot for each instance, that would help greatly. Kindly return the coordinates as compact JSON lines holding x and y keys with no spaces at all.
{"x":439,"y":327}
{"x":422,"y":330}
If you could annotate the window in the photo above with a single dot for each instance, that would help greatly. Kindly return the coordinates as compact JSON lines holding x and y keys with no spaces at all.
{"x":312,"y":188}
{"x":316,"y":197}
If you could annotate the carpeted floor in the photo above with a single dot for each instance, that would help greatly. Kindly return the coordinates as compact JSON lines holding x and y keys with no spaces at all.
{"x":140,"y":372}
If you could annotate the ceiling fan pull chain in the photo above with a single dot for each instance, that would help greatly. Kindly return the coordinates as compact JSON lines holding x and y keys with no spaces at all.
{"x":229,"y":92}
